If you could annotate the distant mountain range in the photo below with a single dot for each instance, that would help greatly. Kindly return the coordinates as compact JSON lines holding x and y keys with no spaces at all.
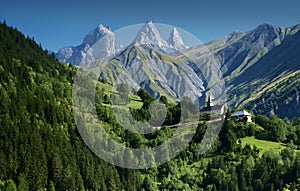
{"x":256,"y":66}
{"x":101,"y":42}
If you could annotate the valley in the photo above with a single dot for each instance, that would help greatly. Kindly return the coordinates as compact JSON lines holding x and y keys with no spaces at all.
{"x":42,"y":146}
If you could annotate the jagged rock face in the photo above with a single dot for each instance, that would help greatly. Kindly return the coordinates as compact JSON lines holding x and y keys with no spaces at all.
{"x":149,"y":35}
{"x":102,"y":41}
{"x":175,"y":40}
{"x":99,"y":43}
{"x":143,"y":66}
{"x":96,"y":34}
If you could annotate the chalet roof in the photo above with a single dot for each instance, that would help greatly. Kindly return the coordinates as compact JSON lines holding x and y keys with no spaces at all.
{"x":240,"y":113}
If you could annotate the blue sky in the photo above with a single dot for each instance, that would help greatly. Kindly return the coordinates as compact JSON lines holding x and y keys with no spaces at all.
{"x":56,"y":24}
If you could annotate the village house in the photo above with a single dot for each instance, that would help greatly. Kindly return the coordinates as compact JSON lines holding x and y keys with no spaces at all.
{"x":242,"y":115}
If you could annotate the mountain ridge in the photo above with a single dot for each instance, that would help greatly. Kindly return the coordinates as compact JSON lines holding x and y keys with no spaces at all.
{"x":163,"y":71}
{"x":101,"y":42}
{"x":240,"y":56}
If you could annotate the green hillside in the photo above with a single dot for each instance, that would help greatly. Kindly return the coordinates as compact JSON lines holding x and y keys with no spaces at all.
{"x":135,"y":101}
{"x":263,"y":145}
{"x":41,"y":147}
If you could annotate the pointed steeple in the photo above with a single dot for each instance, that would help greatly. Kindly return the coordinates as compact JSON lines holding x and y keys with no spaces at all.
{"x":209,"y":101}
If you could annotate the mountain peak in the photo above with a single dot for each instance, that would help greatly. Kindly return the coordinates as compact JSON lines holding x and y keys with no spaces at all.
{"x":103,"y":29}
{"x":174,"y":32}
{"x":267,"y":32}
{"x":98,"y":43}
{"x":96,"y":34}
{"x":265,"y":25}
{"x":149,"y":21}
{"x":149,"y":35}
{"x":265,"y":28}
{"x":175,"y":40}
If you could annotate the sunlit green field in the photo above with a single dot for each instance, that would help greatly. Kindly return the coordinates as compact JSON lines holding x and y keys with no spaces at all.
{"x":264,"y":145}
{"x":135,"y":102}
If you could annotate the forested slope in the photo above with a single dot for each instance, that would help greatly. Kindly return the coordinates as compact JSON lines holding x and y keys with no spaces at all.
{"x":40,"y":147}
{"x":39,"y":143}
